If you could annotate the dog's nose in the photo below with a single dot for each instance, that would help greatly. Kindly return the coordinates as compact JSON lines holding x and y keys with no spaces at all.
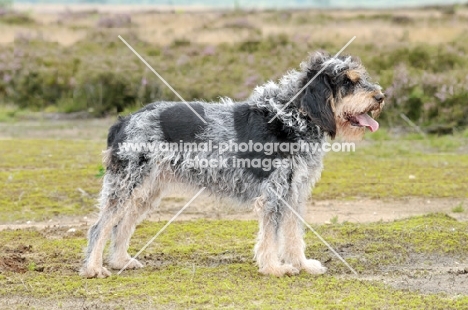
{"x":379,"y":97}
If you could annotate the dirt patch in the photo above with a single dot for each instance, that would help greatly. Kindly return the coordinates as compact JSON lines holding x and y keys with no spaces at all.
{"x":64,"y":231}
{"x":373,"y":210}
{"x":26,"y":302}
{"x":317,"y":212}
{"x":13,"y":260}
{"x":428,"y":274}
{"x":224,"y":259}
{"x":434,"y":281}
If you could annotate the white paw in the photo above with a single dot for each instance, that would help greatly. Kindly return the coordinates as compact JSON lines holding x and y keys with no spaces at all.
{"x":313,"y":266}
{"x":94,"y":272}
{"x":119,"y":264}
{"x":279,"y":270}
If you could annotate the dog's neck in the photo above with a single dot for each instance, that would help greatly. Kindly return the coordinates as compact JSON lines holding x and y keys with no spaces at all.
{"x":281,"y":102}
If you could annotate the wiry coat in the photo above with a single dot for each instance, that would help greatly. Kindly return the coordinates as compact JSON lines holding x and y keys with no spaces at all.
{"x":135,"y":179}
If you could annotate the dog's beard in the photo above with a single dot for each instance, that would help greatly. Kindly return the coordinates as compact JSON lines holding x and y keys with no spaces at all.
{"x":355,"y":114}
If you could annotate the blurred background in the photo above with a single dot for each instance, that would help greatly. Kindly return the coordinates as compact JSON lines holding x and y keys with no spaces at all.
{"x":63,"y":59}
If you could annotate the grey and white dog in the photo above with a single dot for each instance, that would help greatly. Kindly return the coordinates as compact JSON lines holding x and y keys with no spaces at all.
{"x":337,"y":101}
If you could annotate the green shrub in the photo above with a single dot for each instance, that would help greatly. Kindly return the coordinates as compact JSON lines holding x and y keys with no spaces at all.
{"x":15,"y":18}
{"x":99,"y":74}
{"x":44,"y":75}
{"x":422,"y":56}
{"x":433,"y":100}
{"x":112,"y":92}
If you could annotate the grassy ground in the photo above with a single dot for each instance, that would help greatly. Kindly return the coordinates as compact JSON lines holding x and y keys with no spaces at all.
{"x":45,"y":178}
{"x":406,"y":166}
{"x":206,"y":264}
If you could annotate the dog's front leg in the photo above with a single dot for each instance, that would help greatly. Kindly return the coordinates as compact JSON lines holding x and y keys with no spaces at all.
{"x":267,"y":247}
{"x":293,"y":245}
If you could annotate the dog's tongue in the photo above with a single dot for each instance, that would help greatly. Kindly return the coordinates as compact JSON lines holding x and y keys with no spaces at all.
{"x":369,"y":122}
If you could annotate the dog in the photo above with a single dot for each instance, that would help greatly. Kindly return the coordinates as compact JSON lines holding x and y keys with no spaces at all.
{"x":327,"y":96}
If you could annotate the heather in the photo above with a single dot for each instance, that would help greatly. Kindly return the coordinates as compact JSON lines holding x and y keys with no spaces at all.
{"x":418,"y":56}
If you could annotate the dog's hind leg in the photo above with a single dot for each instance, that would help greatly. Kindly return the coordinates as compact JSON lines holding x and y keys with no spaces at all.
{"x":98,"y":235}
{"x":146,"y":198}
{"x":267,"y":247}
{"x":113,"y":204}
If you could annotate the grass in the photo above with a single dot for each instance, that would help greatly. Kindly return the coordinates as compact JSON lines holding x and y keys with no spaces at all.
{"x":458,"y":209}
{"x":383,"y":169}
{"x":7,"y":113}
{"x":208,"y":264}
{"x":46,"y":178}
{"x":43,"y":178}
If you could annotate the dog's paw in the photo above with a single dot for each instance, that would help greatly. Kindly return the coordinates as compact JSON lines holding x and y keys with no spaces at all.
{"x":279,"y":270}
{"x":134,"y":264}
{"x":97,"y":272}
{"x":313,"y":266}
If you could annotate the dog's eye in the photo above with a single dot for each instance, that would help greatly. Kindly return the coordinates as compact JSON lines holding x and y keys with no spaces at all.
{"x":348,"y":82}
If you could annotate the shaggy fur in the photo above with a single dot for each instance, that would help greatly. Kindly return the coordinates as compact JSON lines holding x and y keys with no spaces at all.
{"x":335,"y":103}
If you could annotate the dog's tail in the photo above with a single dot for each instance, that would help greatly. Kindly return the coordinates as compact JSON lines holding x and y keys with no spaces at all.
{"x":116,"y":132}
{"x":114,"y":137}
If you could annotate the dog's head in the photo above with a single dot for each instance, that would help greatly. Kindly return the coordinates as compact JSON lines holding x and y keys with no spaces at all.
{"x":339,"y":96}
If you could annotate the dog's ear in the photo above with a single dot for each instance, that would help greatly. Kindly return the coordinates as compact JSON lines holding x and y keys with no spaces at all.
{"x":317,"y":103}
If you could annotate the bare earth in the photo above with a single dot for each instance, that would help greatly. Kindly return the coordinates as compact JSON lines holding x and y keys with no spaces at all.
{"x":318,"y":212}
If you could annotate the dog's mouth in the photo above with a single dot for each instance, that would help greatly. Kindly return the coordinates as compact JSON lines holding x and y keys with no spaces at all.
{"x":363,"y":120}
